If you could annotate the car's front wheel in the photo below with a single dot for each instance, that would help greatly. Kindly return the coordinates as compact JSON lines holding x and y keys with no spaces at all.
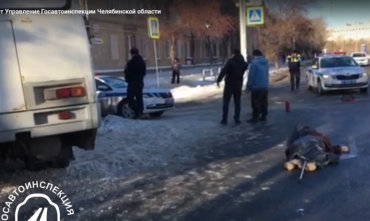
{"x":156,"y":114}
{"x":309,"y":87}
{"x":320,"y":90}
{"x":364,"y":90}
{"x":124,"y":110}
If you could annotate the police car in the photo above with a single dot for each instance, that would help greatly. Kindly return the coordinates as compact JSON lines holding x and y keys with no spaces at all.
{"x":111,"y":91}
{"x":336,"y":72}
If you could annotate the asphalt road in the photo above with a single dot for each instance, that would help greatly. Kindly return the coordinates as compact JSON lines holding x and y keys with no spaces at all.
{"x":239,"y":174}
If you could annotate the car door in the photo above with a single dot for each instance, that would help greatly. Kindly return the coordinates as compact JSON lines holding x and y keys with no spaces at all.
{"x":104,"y":93}
{"x":119,"y":92}
{"x":311,"y":72}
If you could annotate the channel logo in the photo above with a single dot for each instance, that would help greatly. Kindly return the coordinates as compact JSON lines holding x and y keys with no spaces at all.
{"x":41,"y":213}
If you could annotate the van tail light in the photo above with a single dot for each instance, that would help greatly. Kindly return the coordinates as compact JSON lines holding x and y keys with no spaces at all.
{"x":65,"y":116}
{"x":65,"y":93}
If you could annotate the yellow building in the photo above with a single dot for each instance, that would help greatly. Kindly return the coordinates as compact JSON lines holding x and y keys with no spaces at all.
{"x":116,"y":34}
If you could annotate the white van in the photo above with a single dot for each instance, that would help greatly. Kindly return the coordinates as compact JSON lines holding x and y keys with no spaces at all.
{"x":48,"y":99}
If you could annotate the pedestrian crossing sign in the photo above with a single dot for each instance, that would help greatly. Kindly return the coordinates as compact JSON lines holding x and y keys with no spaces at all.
{"x":153,"y":27}
{"x":255,"y":16}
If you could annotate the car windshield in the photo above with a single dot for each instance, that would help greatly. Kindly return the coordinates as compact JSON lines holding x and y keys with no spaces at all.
{"x":115,"y":82}
{"x":356,"y":55}
{"x":338,"y":62}
{"x":35,"y":4}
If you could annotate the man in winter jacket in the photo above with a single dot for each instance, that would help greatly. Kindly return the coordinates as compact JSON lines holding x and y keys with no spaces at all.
{"x":135,"y":72}
{"x":258,"y":85}
{"x":294,"y":64}
{"x":176,"y":67}
{"x":233,"y":72}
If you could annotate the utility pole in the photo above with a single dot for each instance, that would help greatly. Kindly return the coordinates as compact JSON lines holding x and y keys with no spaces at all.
{"x":243,"y":28}
{"x":331,"y":7}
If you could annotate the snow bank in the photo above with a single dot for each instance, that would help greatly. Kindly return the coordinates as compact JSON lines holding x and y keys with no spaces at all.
{"x":200,"y":91}
{"x":186,"y":93}
{"x":126,"y":146}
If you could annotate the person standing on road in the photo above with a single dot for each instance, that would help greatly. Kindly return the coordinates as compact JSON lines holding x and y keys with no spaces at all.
{"x":233,"y":72}
{"x":258,"y":85}
{"x":294,"y":64}
{"x":135,"y":72}
{"x":176,"y":67}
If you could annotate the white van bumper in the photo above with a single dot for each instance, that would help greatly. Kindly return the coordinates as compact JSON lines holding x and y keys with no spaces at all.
{"x":47,"y":122}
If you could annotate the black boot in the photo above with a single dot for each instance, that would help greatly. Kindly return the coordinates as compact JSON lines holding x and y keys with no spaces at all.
{"x":223,"y":122}
{"x":237,"y":122}
{"x":252,"y":120}
{"x":263,"y":119}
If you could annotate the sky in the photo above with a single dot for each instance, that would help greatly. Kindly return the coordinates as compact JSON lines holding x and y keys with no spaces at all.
{"x":343,"y":12}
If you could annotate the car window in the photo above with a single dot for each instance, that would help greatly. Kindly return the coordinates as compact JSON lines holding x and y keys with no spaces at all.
{"x":357,"y":55}
{"x":100,"y":86}
{"x":315,"y":62}
{"x":115,"y":82}
{"x":338,"y":62}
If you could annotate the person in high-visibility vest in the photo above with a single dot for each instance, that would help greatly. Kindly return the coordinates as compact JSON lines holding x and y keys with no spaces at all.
{"x":294,"y":64}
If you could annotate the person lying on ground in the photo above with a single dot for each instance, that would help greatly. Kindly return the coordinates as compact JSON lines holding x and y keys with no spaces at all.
{"x":308,"y":144}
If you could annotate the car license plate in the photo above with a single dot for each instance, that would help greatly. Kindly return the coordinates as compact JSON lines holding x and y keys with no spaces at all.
{"x":348,"y":82}
{"x":169,"y":101}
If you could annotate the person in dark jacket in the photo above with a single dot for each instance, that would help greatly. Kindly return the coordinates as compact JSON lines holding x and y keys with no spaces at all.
{"x":294,"y":64}
{"x":135,"y":72}
{"x":257,"y":85}
{"x":176,"y":67}
{"x":233,"y":72}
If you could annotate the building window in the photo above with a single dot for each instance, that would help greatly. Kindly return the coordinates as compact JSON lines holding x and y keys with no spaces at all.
{"x":188,"y":49}
{"x":168,"y":49}
{"x":114,"y":47}
{"x":131,"y":42}
{"x":229,"y":51}
{"x":128,"y":4}
{"x":158,"y":48}
{"x":206,"y":49}
{"x":200,"y":49}
{"x":178,"y":52}
{"x":220,"y":50}
{"x":111,"y":4}
{"x":214,"y":50}
{"x":144,"y":47}
{"x":140,"y":4}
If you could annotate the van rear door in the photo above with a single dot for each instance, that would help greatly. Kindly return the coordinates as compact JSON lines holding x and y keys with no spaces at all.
{"x":54,"y":60}
{"x":11,"y":90}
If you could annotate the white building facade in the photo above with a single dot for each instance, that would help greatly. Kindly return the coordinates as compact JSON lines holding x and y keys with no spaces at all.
{"x":350,"y":32}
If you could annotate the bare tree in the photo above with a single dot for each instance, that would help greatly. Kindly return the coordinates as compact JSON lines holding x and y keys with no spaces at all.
{"x":197,"y":18}
{"x":288,"y":27}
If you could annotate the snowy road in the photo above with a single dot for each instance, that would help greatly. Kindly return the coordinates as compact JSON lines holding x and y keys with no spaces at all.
{"x":186,"y":167}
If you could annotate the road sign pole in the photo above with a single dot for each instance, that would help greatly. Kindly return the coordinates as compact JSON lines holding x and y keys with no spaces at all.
{"x":153,"y":32}
{"x":156,"y":61}
{"x":243,"y":28}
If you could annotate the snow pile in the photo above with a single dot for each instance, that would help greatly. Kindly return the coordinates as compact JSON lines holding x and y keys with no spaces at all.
{"x":200,"y":91}
{"x":186,"y":93}
{"x":126,"y":146}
